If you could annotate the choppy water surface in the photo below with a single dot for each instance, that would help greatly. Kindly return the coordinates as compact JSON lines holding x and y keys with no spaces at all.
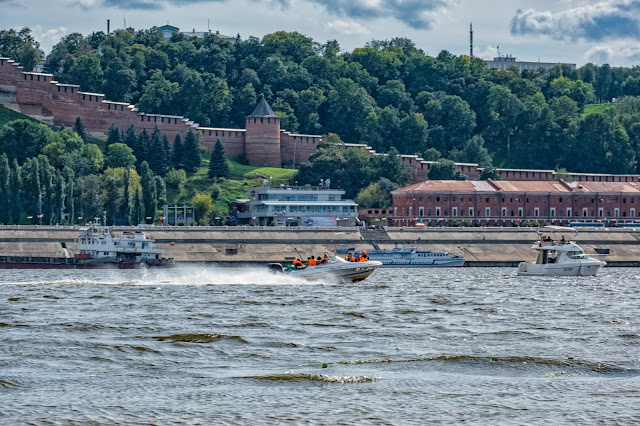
{"x":210,"y":344}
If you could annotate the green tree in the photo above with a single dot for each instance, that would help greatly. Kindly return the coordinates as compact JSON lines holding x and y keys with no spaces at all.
{"x":130,"y":138}
{"x":218,"y":166}
{"x":176,"y":158}
{"x":202,"y":207}
{"x":126,"y":195}
{"x":119,"y":155}
{"x":15,"y":194}
{"x":156,"y":155}
{"x":490,"y":173}
{"x":22,"y":139}
{"x":505,"y":110}
{"x":87,"y":72}
{"x":158,"y":95}
{"x":138,"y":208}
{"x":149,"y":192}
{"x":78,"y":127}
{"x":377,"y":195}
{"x":90,"y":198}
{"x":5,"y":195}
{"x":60,"y":197}
{"x":349,"y":105}
{"x":114,"y":135}
{"x":445,"y":170}
{"x":31,"y":188}
{"x":191,"y":152}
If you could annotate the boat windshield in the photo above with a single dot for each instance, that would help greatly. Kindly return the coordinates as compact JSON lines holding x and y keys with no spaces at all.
{"x":577,"y":255}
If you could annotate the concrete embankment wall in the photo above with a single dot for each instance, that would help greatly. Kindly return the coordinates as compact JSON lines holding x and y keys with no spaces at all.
{"x":481,"y":246}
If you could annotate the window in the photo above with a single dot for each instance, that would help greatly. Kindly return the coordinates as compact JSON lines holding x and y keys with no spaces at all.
{"x":454,"y":211}
{"x":420,"y":211}
{"x":470,"y":211}
{"x":487,"y":211}
{"x":437,"y":211}
{"x":536,"y":212}
{"x":520,"y":212}
{"x":585,"y":212}
{"x":568,"y":211}
{"x":616,"y":212}
{"x":600,"y":212}
{"x":504,"y":212}
{"x":632,"y":212}
{"x":553,"y":212}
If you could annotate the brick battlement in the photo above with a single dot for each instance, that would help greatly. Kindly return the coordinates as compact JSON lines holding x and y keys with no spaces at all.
{"x":40,"y":96}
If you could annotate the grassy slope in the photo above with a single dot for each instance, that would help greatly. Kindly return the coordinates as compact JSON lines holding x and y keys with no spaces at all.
{"x":241,"y":178}
{"x":595,"y":108}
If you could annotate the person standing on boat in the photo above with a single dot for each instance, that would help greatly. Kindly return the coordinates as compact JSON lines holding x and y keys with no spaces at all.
{"x":553,"y":257}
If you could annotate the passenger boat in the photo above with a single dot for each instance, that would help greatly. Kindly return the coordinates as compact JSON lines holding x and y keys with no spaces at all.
{"x":559,"y":257}
{"x":335,"y":269}
{"x":411,"y":257}
{"x":98,"y":248}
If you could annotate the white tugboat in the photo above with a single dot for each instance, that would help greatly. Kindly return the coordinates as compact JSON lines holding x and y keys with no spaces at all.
{"x":98,"y":248}
{"x":559,"y":257}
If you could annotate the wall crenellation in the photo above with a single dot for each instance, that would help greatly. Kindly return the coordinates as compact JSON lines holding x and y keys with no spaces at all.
{"x":40,"y":96}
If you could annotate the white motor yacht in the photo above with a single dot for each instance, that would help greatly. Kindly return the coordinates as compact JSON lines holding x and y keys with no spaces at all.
{"x":559,"y":257}
{"x":335,"y":269}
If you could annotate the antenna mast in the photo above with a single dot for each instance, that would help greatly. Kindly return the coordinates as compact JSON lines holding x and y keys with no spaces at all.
{"x":471,"y":40}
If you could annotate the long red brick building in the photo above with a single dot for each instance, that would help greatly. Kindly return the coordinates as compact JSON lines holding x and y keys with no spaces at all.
{"x":507,"y":203}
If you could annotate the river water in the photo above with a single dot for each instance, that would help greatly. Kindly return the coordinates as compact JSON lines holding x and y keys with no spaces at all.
{"x":207,"y":344}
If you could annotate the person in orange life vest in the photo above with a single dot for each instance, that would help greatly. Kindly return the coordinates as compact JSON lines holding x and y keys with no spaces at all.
{"x":325,"y":258}
{"x":298,"y":264}
{"x":312,"y":261}
{"x":363,"y":257}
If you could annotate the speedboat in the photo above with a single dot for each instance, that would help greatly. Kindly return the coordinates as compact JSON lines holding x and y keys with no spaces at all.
{"x":559,"y":257}
{"x":335,"y":268}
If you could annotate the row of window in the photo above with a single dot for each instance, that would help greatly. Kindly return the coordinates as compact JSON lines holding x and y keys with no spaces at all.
{"x":455,"y":212}
{"x":552,"y":199}
{"x":305,"y":209}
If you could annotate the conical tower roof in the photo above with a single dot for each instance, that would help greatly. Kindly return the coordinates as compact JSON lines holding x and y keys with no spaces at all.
{"x":263,"y":110}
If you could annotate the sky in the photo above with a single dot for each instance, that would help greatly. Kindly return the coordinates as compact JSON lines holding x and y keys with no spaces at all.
{"x":569,"y":31}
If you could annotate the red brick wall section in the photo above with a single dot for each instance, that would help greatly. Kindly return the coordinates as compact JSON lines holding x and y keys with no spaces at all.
{"x":296,"y":149}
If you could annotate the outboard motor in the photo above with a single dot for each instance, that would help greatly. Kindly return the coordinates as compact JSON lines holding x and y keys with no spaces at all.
{"x":275,"y":268}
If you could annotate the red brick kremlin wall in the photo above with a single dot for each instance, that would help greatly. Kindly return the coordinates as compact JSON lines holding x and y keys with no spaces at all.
{"x":40,"y":96}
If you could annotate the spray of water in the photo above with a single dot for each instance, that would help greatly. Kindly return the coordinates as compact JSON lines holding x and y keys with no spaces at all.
{"x":191,"y":275}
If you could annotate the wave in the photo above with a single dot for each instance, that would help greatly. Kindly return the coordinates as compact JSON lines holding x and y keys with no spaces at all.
{"x":306,"y":377}
{"x":512,"y":364}
{"x":198,"y":338}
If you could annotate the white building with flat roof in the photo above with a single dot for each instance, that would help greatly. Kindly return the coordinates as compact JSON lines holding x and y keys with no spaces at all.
{"x":306,"y":206}
{"x":507,"y":62}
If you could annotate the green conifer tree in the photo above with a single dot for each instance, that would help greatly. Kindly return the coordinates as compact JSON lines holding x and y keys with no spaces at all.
{"x":15,"y":186}
{"x":130,"y":137}
{"x":176,"y":158}
{"x":114,"y":135}
{"x":191,"y":153}
{"x":78,"y":127}
{"x":149,"y":192}
{"x":5,"y":175}
{"x":218,"y":166}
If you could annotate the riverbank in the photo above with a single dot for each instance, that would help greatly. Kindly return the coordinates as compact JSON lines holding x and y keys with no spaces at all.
{"x":481,"y":246}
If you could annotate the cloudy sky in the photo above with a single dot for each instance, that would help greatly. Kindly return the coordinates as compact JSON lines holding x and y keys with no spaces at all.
{"x":574,"y":31}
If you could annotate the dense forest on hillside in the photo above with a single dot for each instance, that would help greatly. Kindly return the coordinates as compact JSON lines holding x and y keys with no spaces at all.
{"x":387,"y":94}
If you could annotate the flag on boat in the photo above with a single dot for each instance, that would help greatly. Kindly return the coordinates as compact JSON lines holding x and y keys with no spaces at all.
{"x":172,"y":243}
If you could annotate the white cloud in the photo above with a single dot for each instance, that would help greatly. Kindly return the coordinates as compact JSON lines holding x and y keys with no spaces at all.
{"x":616,"y":54}
{"x":347,"y":28}
{"x":604,"y":20}
{"x":49,"y":37}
